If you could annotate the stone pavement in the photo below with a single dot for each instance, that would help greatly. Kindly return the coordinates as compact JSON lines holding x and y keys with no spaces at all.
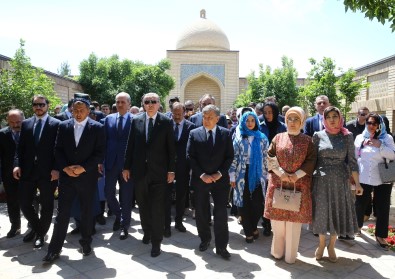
{"x":130,"y":258}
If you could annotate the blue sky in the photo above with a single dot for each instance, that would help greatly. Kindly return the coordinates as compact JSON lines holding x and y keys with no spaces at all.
{"x":262,"y":30}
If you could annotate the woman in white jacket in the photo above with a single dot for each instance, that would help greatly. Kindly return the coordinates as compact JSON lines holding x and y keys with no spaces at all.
{"x":372,"y":147}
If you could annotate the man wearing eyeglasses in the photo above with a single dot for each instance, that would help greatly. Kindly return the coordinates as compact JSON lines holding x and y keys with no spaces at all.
{"x":150,"y":163}
{"x":36,"y":168}
{"x":357,"y":125}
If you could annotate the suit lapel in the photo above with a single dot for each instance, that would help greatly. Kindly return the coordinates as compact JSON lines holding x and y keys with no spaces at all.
{"x":70,"y":130}
{"x":217,"y":137}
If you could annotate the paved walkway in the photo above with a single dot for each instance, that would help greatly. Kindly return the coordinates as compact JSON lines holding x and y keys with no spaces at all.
{"x":130,"y":258}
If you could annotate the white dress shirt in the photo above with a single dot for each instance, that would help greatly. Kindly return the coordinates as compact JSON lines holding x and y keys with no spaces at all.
{"x":369,"y":157}
{"x":214,"y":132}
{"x":180,"y":125}
{"x":78,"y":129}
{"x":43,"y":120}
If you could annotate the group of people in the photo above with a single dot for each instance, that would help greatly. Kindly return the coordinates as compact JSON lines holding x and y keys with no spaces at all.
{"x":149,"y":153}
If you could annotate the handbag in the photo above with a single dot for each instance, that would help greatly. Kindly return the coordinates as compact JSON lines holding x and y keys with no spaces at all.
{"x":387,"y":171}
{"x":287,"y":199}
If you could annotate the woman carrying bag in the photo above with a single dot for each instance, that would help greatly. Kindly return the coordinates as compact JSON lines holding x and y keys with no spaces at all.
{"x":372,"y":147}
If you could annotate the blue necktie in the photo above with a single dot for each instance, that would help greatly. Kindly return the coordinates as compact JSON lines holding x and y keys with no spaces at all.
{"x":210,"y":140}
{"x":37,"y":132}
{"x":120,"y":125}
{"x":176,"y":131}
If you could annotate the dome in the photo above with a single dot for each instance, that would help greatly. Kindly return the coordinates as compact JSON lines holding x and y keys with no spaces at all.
{"x":203,"y":35}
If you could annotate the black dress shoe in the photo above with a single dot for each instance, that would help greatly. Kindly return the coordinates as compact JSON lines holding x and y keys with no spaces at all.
{"x":50,"y":257}
{"x":117,"y":224}
{"x":180,"y":227}
{"x":155,"y":251}
{"x":124,"y":234}
{"x":75,"y":231}
{"x":30,"y":236}
{"x":13,"y":232}
{"x":86,"y":250}
{"x":146,"y":239}
{"x":223,"y":253}
{"x":167,"y":232}
{"x":204,"y":245}
{"x":39,"y":242}
{"x":347,"y":237}
{"x":100,"y":219}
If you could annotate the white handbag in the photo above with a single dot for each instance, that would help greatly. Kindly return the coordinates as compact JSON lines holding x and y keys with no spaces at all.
{"x":287,"y":199}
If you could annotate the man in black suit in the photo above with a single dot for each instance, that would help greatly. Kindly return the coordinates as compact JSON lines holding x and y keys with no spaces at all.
{"x":9,"y":140}
{"x":197,"y":118}
{"x":150,"y":163}
{"x":181,"y":129}
{"x":80,"y":147}
{"x":67,"y":114}
{"x":36,"y":169}
{"x":117,"y":126}
{"x":210,"y":152}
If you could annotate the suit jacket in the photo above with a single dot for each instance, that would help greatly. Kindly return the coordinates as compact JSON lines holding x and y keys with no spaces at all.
{"x":62,"y":116}
{"x":89,"y":152}
{"x":7,"y":154}
{"x":41,"y":155}
{"x":154,"y":158}
{"x":219,"y":159}
{"x":312,"y":125}
{"x":116,"y":142}
{"x":182,"y":165}
{"x":197,"y":119}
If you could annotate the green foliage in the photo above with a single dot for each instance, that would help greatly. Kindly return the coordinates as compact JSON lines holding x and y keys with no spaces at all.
{"x":243,"y":99}
{"x":64,"y":69}
{"x":280,"y":83}
{"x":103,"y":78}
{"x":382,"y":10}
{"x":321,"y":80}
{"x":348,"y":90}
{"x":21,"y":82}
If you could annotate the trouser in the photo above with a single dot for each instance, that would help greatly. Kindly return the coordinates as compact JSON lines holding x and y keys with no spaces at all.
{"x":13,"y":207}
{"x":286,"y":236}
{"x":382,"y":194}
{"x":181,"y":188}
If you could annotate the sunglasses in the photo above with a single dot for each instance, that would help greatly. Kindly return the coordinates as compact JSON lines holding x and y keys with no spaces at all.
{"x":41,"y":105}
{"x":363,"y":114}
{"x":189,"y":109}
{"x":372,"y":123}
{"x":146,"y":102}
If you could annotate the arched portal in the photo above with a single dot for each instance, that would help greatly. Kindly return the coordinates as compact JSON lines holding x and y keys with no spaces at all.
{"x":202,"y":84}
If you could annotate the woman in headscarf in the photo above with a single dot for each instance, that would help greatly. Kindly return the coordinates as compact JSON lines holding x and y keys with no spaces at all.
{"x":333,"y":204}
{"x":291,"y":161}
{"x":372,"y":147}
{"x":248,"y":173}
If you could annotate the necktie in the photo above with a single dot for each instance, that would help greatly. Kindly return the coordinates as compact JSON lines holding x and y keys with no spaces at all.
{"x":176,"y":131}
{"x":210,"y":140}
{"x":150,"y":128}
{"x":120,"y":125}
{"x":16,"y":137}
{"x":37,"y":131}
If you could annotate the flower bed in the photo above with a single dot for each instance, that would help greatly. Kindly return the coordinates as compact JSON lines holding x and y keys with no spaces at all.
{"x":391,"y":235}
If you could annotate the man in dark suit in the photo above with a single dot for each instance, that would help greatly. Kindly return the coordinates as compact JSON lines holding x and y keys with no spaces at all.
{"x":80,"y":147}
{"x":67,"y":114}
{"x":197,"y":118}
{"x":150,"y":163}
{"x":117,"y":126}
{"x":9,"y":140}
{"x":315,"y":123}
{"x":210,"y":152}
{"x":35,"y":168}
{"x":181,"y":129}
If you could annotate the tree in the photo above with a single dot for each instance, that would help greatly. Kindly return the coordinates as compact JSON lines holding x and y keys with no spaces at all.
{"x":321,"y":80}
{"x":348,"y":90}
{"x":382,"y":10}
{"x":280,"y":83}
{"x":21,"y":82}
{"x":103,"y":78}
{"x":243,"y":99}
{"x":64,"y":69}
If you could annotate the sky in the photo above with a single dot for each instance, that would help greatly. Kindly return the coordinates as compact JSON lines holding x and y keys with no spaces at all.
{"x":261,"y":30}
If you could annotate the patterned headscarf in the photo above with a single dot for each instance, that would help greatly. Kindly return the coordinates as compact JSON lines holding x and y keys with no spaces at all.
{"x":382,"y":129}
{"x":340,"y":127}
{"x":255,"y":168}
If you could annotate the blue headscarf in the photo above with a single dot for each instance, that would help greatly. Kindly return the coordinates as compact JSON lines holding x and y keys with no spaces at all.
{"x":255,"y":168}
{"x":382,"y":128}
